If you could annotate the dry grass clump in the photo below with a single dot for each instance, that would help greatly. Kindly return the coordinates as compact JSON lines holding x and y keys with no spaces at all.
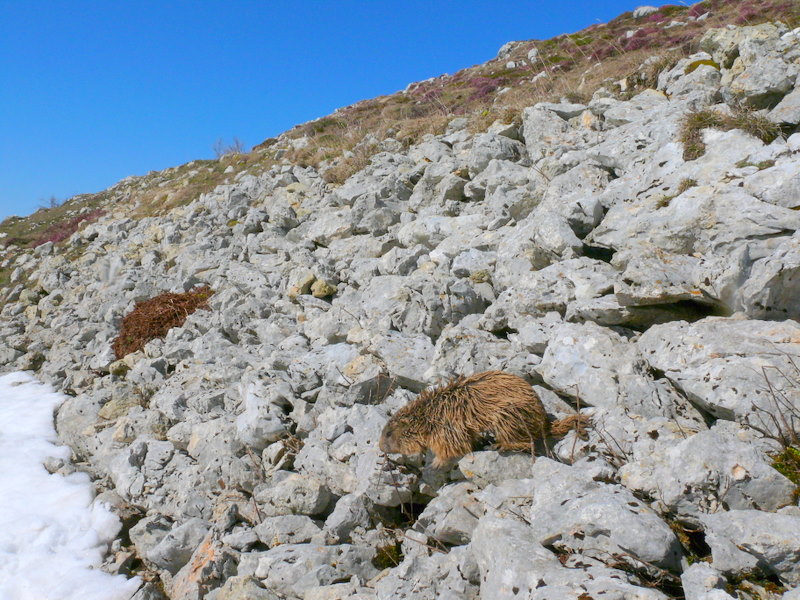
{"x":686,"y":184}
{"x":354,"y":162}
{"x":691,"y":135}
{"x":153,"y":318}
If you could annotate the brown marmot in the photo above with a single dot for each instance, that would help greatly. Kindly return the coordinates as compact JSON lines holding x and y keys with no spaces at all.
{"x":451,"y":418}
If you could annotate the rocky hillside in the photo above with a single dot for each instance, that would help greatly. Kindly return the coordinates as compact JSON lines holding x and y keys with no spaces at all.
{"x":635,"y":256}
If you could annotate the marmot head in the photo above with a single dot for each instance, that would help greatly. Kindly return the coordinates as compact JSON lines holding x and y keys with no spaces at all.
{"x":399,"y":436}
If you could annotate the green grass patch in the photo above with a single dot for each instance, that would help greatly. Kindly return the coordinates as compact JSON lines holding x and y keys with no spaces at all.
{"x":764,"y":164}
{"x":388,"y":557}
{"x":509,"y":74}
{"x":787,"y":463}
{"x":580,"y":39}
{"x":753,"y":584}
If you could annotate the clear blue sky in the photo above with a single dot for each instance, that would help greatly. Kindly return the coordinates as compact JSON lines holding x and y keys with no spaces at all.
{"x":91,"y":92}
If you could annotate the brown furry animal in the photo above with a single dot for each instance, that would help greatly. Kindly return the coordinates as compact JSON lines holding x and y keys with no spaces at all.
{"x":449,"y":419}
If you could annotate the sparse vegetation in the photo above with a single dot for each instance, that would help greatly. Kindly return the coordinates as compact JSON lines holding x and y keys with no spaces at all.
{"x":755,"y":584}
{"x":388,"y":557}
{"x":781,"y":421}
{"x":51,"y":224}
{"x":566,"y":66}
{"x":692,"y":539}
{"x":221,"y":148}
{"x":664,"y":200}
{"x":153,"y":318}
{"x":694,"y":123}
{"x":52,"y":202}
{"x":764,"y":164}
{"x":787,"y":463}
{"x":59,"y":231}
{"x":686,"y":184}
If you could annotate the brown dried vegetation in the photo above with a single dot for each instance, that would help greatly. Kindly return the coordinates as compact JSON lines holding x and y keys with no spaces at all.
{"x":153,"y":318}
{"x":691,"y":134}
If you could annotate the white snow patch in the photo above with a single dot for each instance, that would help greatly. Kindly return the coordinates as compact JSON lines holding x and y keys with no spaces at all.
{"x":52,"y":533}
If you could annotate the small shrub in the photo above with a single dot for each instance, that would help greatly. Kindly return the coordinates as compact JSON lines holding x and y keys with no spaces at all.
{"x":671,"y":10}
{"x":52,"y":202}
{"x":780,"y":422}
{"x":222,"y":149}
{"x":153,"y":318}
{"x":358,"y":159}
{"x":636,"y":43}
{"x":603,"y":52}
{"x":646,"y":76}
{"x":577,"y":97}
{"x":580,"y":40}
{"x":483,"y":87}
{"x":756,"y":584}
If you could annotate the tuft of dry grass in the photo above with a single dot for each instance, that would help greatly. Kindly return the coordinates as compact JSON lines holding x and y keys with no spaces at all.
{"x":686,"y":184}
{"x":691,"y":132}
{"x":346,"y":166}
{"x":153,"y":318}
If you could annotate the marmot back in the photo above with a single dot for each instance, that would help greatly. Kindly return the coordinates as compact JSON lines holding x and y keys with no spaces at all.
{"x":449,"y":419}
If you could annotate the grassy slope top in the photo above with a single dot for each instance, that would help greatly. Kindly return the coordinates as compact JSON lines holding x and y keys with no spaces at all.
{"x":570,"y":66}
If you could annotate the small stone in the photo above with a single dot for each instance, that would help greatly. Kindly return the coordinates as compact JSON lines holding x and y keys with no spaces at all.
{"x":322,"y":289}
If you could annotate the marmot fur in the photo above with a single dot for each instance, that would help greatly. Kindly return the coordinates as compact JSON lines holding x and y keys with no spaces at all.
{"x":449,"y":419}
